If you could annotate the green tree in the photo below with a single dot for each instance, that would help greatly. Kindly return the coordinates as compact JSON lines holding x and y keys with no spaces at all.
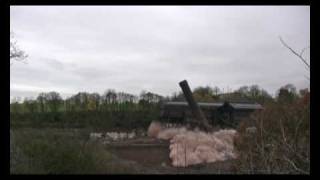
{"x":93,"y":101}
{"x":203,"y":94}
{"x":30,"y":105}
{"x":53,"y":100}
{"x":178,"y":96}
{"x":42,"y":101}
{"x":15,"y":106}
{"x":149,"y":98}
{"x":287,"y":94}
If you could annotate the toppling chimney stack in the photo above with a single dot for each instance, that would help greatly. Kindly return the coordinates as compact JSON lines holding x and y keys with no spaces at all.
{"x":196,"y":111}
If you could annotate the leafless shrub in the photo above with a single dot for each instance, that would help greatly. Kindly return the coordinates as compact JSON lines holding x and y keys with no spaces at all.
{"x":281,"y":143}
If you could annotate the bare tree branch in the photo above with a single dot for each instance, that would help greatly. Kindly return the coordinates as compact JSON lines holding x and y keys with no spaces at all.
{"x":294,"y":166}
{"x":15,"y":52}
{"x":302,"y":51}
{"x":294,"y":52}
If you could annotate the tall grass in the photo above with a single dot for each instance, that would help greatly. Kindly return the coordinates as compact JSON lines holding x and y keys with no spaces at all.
{"x":53,"y":151}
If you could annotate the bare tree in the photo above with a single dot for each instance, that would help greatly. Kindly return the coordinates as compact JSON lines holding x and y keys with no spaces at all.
{"x":299,"y":55}
{"x":15,"y":52}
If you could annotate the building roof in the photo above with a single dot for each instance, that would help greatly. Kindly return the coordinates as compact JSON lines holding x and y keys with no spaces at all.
{"x":173,"y":103}
{"x":216,"y":105}
{"x":246,"y":106}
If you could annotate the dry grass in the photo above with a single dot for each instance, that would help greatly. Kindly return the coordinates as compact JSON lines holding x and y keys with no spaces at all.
{"x":281,"y":143}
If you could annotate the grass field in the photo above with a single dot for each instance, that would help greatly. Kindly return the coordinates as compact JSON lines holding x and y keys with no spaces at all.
{"x":70,"y":151}
{"x":61,"y":151}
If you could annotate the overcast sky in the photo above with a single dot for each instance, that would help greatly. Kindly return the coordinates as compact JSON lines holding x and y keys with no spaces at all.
{"x":135,"y":48}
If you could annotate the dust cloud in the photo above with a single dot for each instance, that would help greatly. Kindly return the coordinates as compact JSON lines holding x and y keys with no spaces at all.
{"x":190,"y":147}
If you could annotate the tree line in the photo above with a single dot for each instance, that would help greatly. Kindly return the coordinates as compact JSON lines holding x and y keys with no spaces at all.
{"x":121,"y":101}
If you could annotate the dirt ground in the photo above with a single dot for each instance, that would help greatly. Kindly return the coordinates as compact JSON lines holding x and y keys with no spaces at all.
{"x":152,"y":157}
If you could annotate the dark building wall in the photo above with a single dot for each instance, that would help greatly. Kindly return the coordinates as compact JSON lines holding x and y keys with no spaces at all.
{"x":225,"y":115}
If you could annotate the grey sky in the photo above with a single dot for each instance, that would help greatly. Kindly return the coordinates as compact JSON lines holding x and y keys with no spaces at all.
{"x":135,"y":48}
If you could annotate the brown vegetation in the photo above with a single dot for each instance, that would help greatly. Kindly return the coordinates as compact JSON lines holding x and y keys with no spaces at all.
{"x":281,"y":143}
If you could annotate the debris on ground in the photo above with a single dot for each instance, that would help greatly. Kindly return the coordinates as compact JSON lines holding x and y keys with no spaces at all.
{"x":113,"y":136}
